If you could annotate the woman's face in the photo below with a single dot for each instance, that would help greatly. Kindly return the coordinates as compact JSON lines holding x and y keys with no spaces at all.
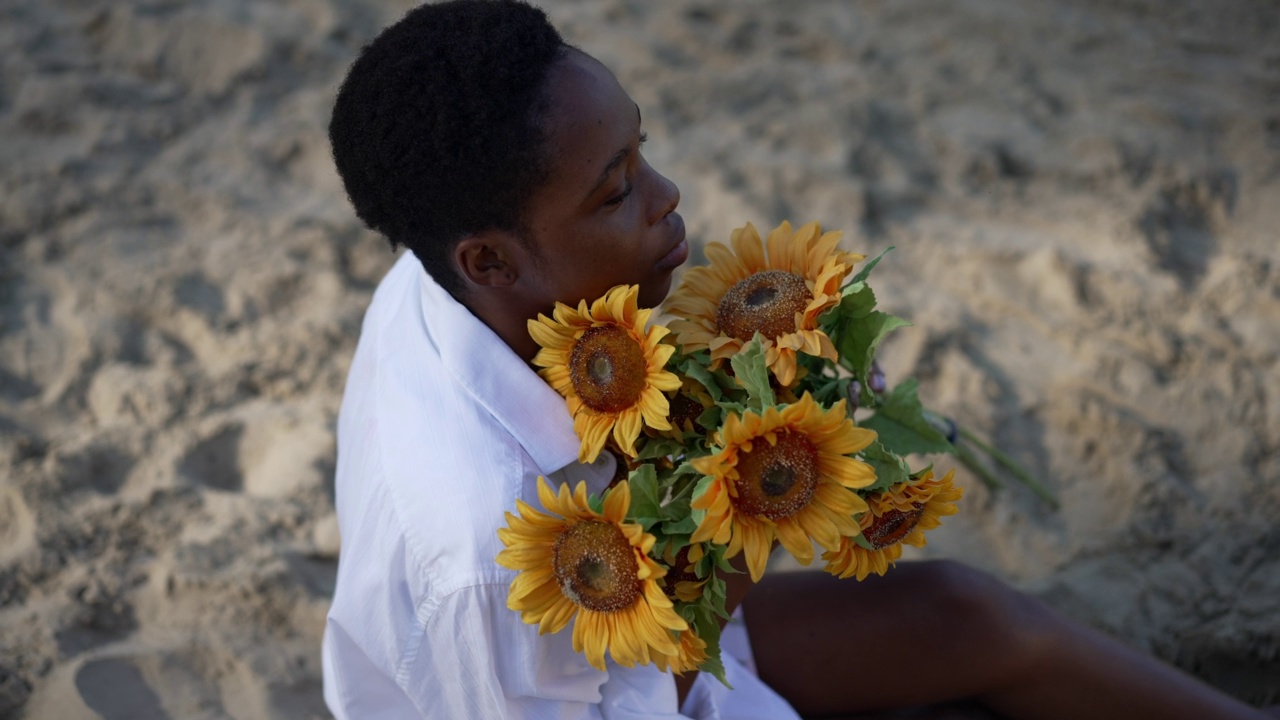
{"x":604,"y":217}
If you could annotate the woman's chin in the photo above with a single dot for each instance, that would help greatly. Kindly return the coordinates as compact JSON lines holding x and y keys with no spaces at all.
{"x":652,"y":293}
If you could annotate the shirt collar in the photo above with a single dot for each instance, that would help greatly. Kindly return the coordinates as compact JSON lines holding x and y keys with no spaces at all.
{"x":534,"y":414}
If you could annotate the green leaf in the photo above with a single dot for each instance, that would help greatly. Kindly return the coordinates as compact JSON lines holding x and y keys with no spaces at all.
{"x":890,"y":469}
{"x":675,"y":508}
{"x":706,"y":564}
{"x":901,"y":426}
{"x":695,"y":370}
{"x":695,"y":445}
{"x":917,"y":474}
{"x":752,"y":374}
{"x":813,"y":364}
{"x":832,"y":391}
{"x":707,"y":627}
{"x":678,"y":516}
{"x":856,"y":300}
{"x":870,"y":265}
{"x":660,"y":447}
{"x":718,"y":591}
{"x":684,"y":468}
{"x":661,"y":545}
{"x":859,"y":338}
{"x":713,"y":665}
{"x":722,"y":562}
{"x":711,"y":417}
{"x":645,"y":501}
{"x":688,"y":611}
{"x":732,"y":407}
{"x":680,"y":526}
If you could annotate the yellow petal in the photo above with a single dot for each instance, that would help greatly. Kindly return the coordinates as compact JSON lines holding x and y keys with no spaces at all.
{"x":655,"y":407}
{"x":846,"y":471}
{"x":777,"y":243}
{"x":749,"y":249}
{"x":795,"y":540}
{"x":545,"y":495}
{"x":757,"y":541}
{"x":626,"y":428}
{"x":594,"y":431}
{"x":721,"y":258}
{"x":617,"y":502}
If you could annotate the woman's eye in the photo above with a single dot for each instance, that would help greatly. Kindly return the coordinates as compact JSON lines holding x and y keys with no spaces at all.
{"x":617,"y":199}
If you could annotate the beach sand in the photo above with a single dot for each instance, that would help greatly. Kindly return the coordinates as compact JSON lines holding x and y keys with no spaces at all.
{"x":1084,"y":198}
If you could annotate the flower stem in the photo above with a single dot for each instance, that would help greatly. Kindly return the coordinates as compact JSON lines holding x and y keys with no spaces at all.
{"x":971,"y":461}
{"x":1012,"y":466}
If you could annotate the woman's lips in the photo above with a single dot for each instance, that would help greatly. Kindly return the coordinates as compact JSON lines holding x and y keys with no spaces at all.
{"x":679,"y":252}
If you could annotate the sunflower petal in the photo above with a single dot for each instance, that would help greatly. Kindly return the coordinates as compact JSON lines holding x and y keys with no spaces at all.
{"x":795,"y":540}
{"x":626,"y":428}
{"x":617,"y":501}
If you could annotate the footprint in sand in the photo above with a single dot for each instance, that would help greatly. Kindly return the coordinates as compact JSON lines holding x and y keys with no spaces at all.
{"x":116,"y":690}
{"x":215,"y":461}
{"x":100,"y":615}
{"x":268,"y":450}
{"x":101,"y":465}
{"x":17,"y":525}
{"x":14,"y":692}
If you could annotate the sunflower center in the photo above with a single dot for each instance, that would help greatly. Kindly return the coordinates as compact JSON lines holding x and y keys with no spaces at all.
{"x":601,"y":369}
{"x":890,"y":528}
{"x":596,"y":567}
{"x":608,"y":369}
{"x":681,"y":570}
{"x":685,"y":409}
{"x":777,"y":481}
{"x":766,"y":302}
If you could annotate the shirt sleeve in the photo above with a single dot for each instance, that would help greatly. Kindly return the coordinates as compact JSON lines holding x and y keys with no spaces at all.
{"x":466,"y":661}
{"x":477,"y":659}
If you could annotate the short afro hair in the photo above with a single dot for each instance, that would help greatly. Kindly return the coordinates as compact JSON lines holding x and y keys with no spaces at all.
{"x":437,"y":129}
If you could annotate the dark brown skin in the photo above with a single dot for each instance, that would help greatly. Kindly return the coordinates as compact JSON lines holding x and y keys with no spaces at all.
{"x":605,"y":218}
{"x":926,"y":634}
{"x":931,"y":633}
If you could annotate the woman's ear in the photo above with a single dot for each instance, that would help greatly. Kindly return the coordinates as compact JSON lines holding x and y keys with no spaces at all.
{"x":488,"y":259}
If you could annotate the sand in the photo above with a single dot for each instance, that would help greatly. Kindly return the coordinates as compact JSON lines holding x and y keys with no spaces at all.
{"x":1084,"y":198}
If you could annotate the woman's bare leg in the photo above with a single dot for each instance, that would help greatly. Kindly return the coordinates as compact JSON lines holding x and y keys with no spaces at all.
{"x":933,"y":632}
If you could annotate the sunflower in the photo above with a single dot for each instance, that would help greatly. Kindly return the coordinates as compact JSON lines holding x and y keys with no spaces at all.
{"x":608,"y":368}
{"x":687,"y":405}
{"x":592,"y":568}
{"x":897,"y":516}
{"x":692,"y":653}
{"x":783,"y":474}
{"x":682,"y":582}
{"x":741,"y":292}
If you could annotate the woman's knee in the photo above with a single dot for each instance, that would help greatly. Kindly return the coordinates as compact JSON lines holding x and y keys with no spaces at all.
{"x":983,"y":610}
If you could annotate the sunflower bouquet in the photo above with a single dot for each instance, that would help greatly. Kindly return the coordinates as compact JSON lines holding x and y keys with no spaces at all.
{"x":733,"y":427}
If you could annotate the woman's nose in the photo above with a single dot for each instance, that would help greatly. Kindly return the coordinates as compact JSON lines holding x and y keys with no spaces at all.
{"x":666,"y":197}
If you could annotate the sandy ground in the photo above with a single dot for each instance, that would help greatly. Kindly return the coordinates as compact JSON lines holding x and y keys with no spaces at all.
{"x":1084,"y":197}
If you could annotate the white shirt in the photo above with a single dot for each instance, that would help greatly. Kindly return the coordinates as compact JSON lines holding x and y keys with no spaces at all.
{"x":442,"y":428}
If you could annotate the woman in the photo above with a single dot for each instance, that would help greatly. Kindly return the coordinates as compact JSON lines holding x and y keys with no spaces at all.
{"x":510,"y":165}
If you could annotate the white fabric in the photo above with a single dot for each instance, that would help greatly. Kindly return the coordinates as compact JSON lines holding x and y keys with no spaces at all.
{"x":442,"y":428}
